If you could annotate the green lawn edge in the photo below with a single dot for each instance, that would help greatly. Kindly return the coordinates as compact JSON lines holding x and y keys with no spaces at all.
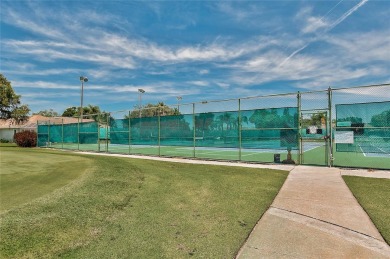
{"x":118,"y":206}
{"x":373,"y":194}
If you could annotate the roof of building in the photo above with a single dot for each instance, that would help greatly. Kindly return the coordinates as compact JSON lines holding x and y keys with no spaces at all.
{"x":33,"y":120}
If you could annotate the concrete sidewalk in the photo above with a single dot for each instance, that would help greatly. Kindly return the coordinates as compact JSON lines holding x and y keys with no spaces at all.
{"x":315,"y":216}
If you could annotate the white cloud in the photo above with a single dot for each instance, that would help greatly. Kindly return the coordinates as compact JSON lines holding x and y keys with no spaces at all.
{"x":43,"y":72}
{"x":18,"y":20}
{"x":55,"y":85}
{"x":238,"y":11}
{"x":42,"y":84}
{"x":118,"y":51}
{"x":363,"y":47}
{"x":49,"y":51}
{"x":223,"y":85}
{"x":167,"y":70}
{"x":199,"y":83}
{"x":314,"y":24}
{"x":304,"y":12}
{"x":350,"y":57}
{"x":320,"y":23}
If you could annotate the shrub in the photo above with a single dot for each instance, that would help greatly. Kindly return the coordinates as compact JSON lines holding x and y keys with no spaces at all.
{"x":26,"y":139}
{"x":4,"y":141}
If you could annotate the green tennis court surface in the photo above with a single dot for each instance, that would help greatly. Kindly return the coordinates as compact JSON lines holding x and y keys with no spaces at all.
{"x":313,"y":153}
{"x":261,"y":155}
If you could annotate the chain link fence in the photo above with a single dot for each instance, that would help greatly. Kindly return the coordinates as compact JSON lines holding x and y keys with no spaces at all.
{"x":344,"y":127}
{"x":362,"y":126}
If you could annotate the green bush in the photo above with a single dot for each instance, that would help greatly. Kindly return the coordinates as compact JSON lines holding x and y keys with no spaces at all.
{"x":26,"y":139}
{"x":4,"y":141}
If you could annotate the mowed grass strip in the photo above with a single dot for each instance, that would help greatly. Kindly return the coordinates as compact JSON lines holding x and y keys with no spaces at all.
{"x":28,"y":175}
{"x":373,"y":194}
{"x":136,"y":208}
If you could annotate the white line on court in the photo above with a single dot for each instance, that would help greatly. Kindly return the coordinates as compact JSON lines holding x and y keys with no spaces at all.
{"x":362,"y":150}
{"x":314,"y":146}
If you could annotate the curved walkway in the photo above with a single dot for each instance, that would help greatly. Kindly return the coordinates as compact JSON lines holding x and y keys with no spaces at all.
{"x":314,"y":215}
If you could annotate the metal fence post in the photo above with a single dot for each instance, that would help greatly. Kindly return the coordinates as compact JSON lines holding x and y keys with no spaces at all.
{"x":239,"y":130}
{"x":299,"y":135}
{"x":193,"y":120}
{"x":330,"y":139}
{"x":129,"y":133}
{"x":98,"y":130}
{"x":48,"y":135}
{"x":78,"y":133}
{"x":107,"y":127}
{"x":38,"y":133}
{"x":62,"y":133}
{"x":159,"y":134}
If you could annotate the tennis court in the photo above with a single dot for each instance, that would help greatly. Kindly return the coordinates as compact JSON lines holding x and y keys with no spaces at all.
{"x":313,"y":153}
{"x":215,"y":153}
{"x":347,"y":127}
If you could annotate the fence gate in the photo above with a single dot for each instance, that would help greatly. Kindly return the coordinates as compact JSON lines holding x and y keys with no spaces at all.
{"x":315,"y":143}
{"x":315,"y":128}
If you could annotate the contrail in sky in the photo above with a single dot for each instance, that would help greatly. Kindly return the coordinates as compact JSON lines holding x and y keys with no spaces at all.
{"x":337,"y":22}
{"x":344,"y":16}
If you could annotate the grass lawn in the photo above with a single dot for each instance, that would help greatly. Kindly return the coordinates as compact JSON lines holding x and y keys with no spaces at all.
{"x":94,"y":206}
{"x":373,"y":194}
{"x":26,"y":176}
{"x":354,"y":159}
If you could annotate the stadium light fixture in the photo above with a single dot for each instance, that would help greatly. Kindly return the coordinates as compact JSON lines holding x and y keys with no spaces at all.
{"x":83,"y":80}
{"x":140,"y":92}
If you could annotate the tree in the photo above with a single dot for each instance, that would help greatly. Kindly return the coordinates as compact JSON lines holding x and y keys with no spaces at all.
{"x":10,"y":107}
{"x":47,"y":113}
{"x":151,"y":110}
{"x":316,"y":119}
{"x":381,"y":120}
{"x":277,"y":125}
{"x":266,"y":118}
{"x":89,"y":112}
{"x":71,"y":112}
{"x":203,"y":122}
{"x":351,"y":119}
{"x":20,"y":113}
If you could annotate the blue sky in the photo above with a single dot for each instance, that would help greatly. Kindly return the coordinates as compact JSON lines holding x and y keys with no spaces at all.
{"x":200,"y":50}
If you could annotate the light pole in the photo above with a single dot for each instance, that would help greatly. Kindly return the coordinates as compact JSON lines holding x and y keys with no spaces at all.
{"x":82,"y":80}
{"x":179,"y":98}
{"x":140,"y":92}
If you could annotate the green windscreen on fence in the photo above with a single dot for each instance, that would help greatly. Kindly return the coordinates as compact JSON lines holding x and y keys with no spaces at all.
{"x":216,"y":129}
{"x":55,"y":133}
{"x":274,"y":128}
{"x":88,"y":133}
{"x":71,"y":133}
{"x":363,"y":127}
{"x":119,"y":131}
{"x":43,"y":135}
{"x":144,"y":131}
{"x":176,"y":130}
